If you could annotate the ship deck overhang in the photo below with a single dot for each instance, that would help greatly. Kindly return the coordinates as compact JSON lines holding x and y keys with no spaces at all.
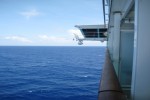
{"x":93,"y":32}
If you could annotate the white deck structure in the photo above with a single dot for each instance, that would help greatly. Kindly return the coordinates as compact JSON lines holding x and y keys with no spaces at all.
{"x":92,"y":33}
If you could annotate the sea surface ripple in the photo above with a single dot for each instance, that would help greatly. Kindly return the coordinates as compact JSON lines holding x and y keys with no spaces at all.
{"x":50,"y":73}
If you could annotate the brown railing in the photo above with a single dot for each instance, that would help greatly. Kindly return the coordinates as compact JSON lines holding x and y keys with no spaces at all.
{"x":109,"y":86}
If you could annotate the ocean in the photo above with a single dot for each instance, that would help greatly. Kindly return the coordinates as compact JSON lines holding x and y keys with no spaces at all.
{"x":50,"y":73}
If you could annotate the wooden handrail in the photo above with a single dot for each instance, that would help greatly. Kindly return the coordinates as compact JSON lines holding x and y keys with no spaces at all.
{"x":109,"y":86}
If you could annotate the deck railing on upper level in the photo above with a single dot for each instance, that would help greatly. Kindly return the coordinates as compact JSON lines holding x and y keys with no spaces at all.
{"x":106,"y":11}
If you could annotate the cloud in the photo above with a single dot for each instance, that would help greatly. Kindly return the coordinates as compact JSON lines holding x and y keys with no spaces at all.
{"x":44,"y":37}
{"x":53,"y":39}
{"x":18,"y":38}
{"x":75,"y":31}
{"x":30,"y":13}
{"x":95,"y":43}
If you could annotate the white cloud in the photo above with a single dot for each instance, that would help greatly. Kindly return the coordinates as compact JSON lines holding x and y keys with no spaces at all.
{"x":44,"y":37}
{"x":52,"y":38}
{"x":95,"y":43}
{"x":18,"y":38}
{"x":55,"y":40}
{"x":30,"y":13}
{"x":75,"y":31}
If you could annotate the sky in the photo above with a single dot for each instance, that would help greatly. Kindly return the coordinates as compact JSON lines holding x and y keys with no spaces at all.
{"x":47,"y":22}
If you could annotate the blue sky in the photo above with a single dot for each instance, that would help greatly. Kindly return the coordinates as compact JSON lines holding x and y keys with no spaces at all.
{"x":46,"y":22}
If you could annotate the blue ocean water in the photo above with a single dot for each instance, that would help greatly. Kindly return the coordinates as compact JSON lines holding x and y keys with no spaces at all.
{"x":50,"y":73}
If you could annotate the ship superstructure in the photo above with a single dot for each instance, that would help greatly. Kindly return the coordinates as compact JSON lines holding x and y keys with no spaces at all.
{"x":127,"y":65}
{"x":92,"y":33}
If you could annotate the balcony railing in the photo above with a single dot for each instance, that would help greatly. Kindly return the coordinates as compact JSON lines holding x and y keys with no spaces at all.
{"x":109,"y":86}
